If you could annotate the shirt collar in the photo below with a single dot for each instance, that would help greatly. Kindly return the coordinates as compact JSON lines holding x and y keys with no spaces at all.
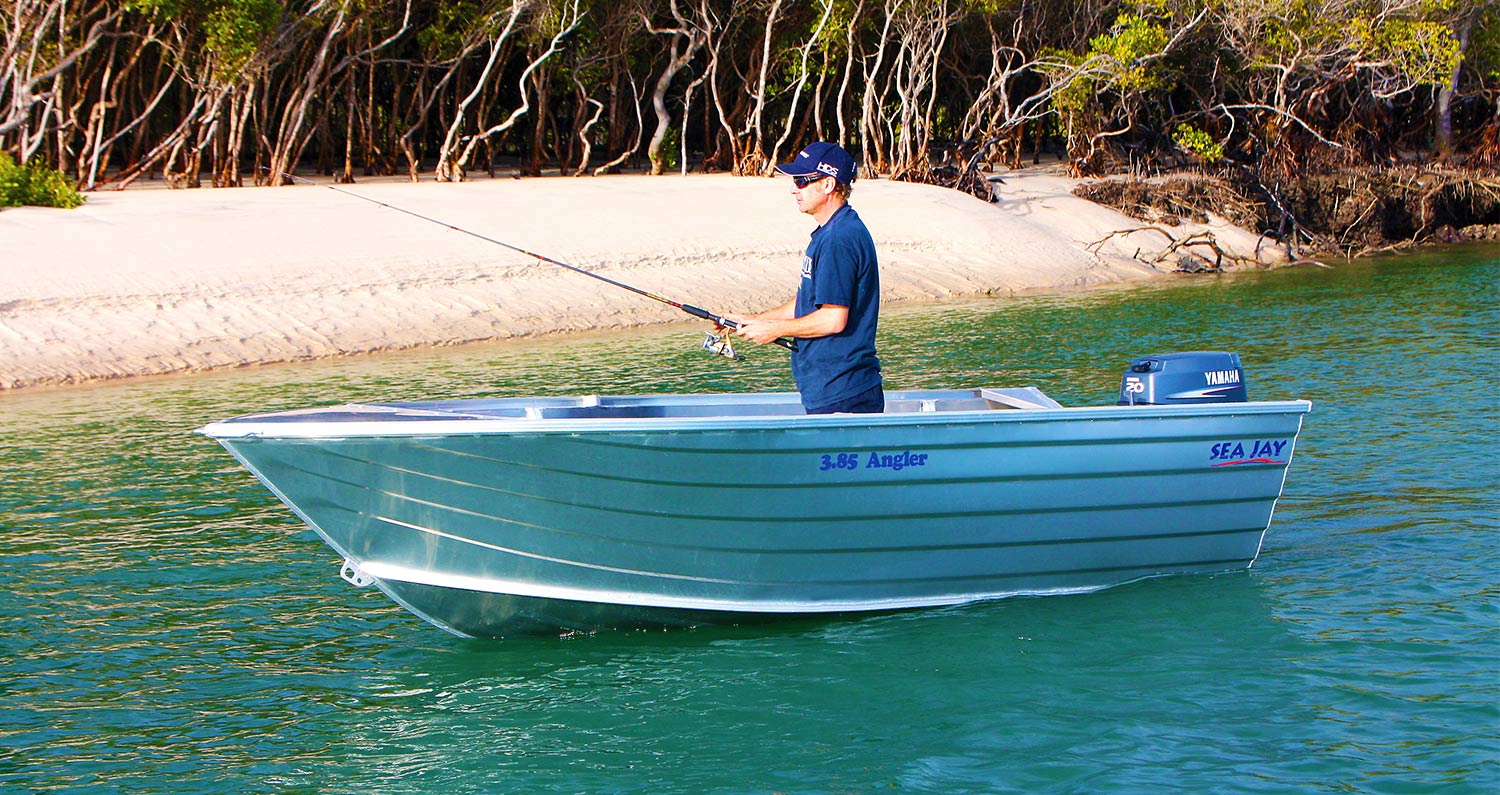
{"x":837,"y":214}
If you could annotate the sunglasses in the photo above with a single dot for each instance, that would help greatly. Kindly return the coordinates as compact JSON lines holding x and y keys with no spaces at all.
{"x":807,"y":179}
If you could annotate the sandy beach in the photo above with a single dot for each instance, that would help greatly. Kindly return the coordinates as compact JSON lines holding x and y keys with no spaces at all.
{"x":146,"y":282}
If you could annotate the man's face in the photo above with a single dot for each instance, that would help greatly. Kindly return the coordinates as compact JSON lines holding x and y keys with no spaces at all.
{"x":813,"y":193}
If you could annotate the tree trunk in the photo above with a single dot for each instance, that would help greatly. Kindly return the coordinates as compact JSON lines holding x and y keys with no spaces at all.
{"x":290,"y":139}
{"x":755,"y":156}
{"x":714,"y":44}
{"x":587,"y":144}
{"x":869,"y":123}
{"x":639,"y":132}
{"x":1443,"y":134}
{"x":843,"y":138}
{"x":539,"y":129}
{"x":791,"y":113}
{"x":553,"y":47}
{"x":687,"y":39}
{"x":346,"y":174}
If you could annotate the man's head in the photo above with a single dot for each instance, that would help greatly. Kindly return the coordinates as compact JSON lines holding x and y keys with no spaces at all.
{"x":822,"y":157}
{"x":821,"y":172}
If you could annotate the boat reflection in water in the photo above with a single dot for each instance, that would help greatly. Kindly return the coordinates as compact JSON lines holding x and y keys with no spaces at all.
{"x":512,"y":516}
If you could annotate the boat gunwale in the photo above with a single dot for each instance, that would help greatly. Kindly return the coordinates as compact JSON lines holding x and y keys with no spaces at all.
{"x":473,"y":425}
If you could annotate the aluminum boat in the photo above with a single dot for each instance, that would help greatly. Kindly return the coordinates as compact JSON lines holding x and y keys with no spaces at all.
{"x":498,"y":517}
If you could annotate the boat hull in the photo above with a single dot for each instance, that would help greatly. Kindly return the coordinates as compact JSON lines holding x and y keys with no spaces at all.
{"x":492,"y":527}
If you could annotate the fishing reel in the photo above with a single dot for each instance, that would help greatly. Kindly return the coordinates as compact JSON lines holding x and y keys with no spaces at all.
{"x":720,"y":345}
{"x":719,"y":342}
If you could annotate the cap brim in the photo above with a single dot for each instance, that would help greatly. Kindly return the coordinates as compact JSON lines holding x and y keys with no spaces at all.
{"x":789,"y":169}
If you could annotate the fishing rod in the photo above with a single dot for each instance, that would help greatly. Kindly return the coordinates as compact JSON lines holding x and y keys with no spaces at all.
{"x":718,"y":344}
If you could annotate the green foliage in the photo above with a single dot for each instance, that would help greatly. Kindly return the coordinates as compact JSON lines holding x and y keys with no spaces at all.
{"x":1422,"y":50}
{"x":1162,"y":8}
{"x":1200,"y":143}
{"x":35,"y":184}
{"x":671,"y":145}
{"x":1426,"y":52}
{"x":1125,"y":52}
{"x":988,"y":6}
{"x":1483,"y":55}
{"x":1077,"y":95}
{"x":834,"y":41}
{"x":235,"y":30}
{"x":166,"y":8}
{"x":1296,"y":28}
{"x":1282,"y":77}
{"x":232,"y":30}
{"x":446,"y":35}
{"x":1438,"y":7}
{"x":1126,"y":46}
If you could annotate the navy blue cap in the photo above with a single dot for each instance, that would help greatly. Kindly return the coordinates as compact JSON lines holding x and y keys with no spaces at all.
{"x":822,"y":158}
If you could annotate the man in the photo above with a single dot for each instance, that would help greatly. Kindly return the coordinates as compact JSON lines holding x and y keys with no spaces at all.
{"x":837,"y":307}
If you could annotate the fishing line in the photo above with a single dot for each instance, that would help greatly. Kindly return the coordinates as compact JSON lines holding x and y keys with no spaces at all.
{"x":713,"y":343}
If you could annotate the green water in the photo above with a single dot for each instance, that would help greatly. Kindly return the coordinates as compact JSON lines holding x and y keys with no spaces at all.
{"x":167,"y":626}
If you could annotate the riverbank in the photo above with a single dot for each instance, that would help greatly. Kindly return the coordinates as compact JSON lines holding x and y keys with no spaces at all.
{"x":1344,"y":212}
{"x":149,"y":282}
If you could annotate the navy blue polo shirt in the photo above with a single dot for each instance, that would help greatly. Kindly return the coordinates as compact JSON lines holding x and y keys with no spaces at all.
{"x":839,"y":268}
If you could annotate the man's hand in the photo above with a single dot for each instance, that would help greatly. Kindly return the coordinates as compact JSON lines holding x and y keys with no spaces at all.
{"x":737,"y":320}
{"x":760,"y":332}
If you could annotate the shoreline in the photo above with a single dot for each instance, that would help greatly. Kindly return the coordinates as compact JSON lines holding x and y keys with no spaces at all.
{"x":155,"y":282}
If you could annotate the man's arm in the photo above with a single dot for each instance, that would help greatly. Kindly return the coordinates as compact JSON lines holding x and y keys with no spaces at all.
{"x":770,"y":326}
{"x":786,"y":311}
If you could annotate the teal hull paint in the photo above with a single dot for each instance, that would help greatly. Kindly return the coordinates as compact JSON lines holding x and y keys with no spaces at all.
{"x":491,"y":518}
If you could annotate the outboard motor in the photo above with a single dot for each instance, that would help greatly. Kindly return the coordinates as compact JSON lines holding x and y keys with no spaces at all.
{"x":1171,"y":379}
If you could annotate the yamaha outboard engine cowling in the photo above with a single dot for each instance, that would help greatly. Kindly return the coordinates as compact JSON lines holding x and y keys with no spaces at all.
{"x":1170,"y":379}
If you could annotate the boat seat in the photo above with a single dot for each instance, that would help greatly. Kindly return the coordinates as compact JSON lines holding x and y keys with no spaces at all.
{"x":605,"y":411}
{"x":1026,"y":397}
